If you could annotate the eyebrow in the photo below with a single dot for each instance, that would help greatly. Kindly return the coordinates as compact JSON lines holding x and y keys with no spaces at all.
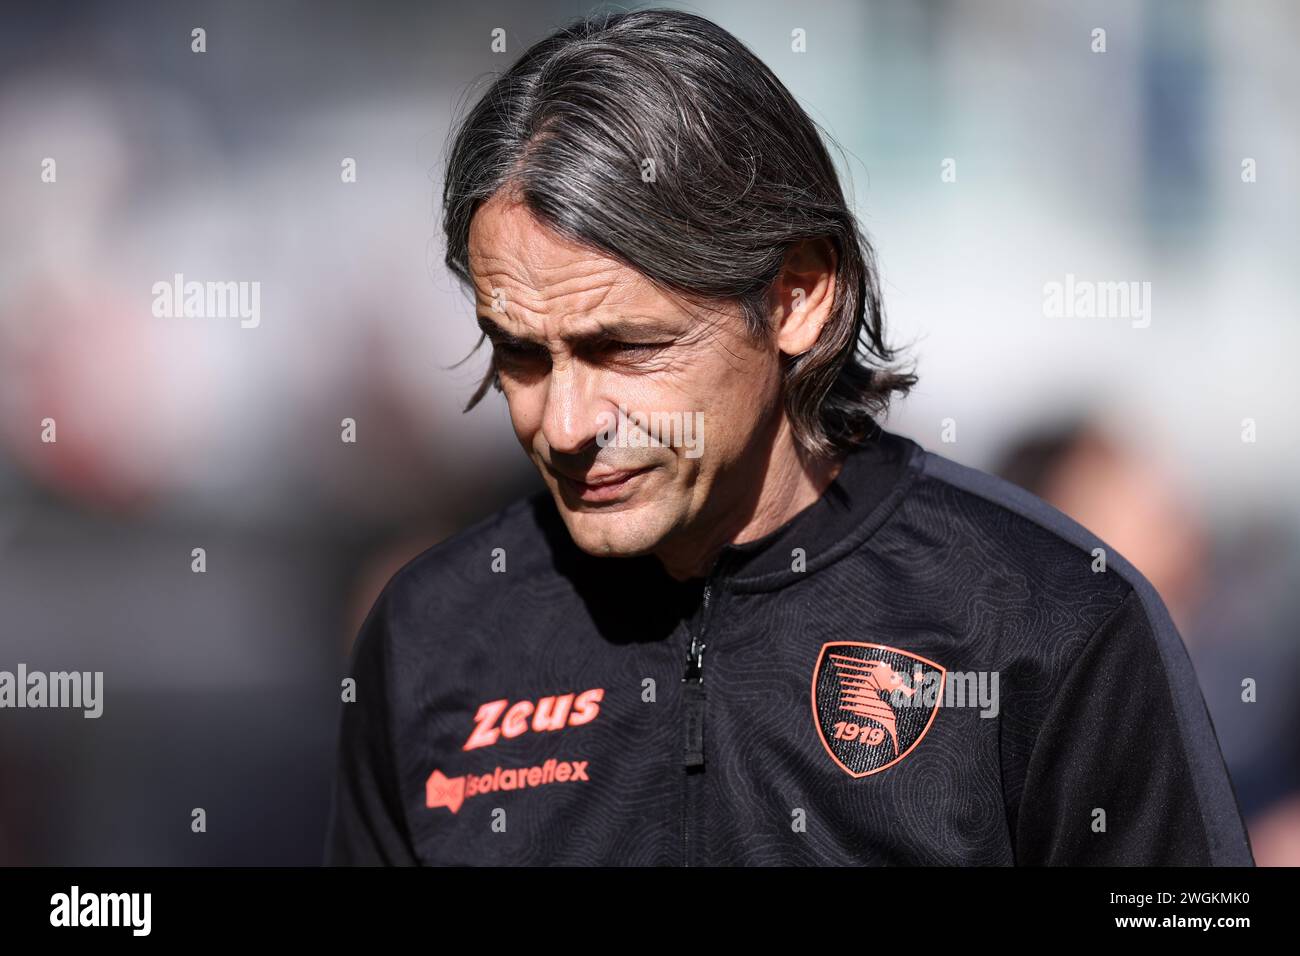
{"x":621,"y":328}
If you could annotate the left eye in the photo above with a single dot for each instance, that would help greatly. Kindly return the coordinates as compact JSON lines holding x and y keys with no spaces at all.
{"x":636,"y":346}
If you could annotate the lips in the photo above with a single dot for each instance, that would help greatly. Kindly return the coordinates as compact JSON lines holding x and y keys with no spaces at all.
{"x":607,"y":478}
{"x":603,"y":486}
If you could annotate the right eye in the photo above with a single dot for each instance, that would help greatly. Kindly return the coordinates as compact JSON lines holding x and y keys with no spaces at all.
{"x":516,"y":355}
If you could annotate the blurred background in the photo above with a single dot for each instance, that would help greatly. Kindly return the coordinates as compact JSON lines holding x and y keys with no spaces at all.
{"x":989,"y":149}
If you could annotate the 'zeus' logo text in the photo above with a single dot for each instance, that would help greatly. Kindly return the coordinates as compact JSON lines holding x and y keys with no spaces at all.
{"x":549,"y":713}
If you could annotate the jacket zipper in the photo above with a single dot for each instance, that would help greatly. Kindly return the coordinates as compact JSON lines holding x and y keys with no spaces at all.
{"x":694,"y":690}
{"x":694,"y":704}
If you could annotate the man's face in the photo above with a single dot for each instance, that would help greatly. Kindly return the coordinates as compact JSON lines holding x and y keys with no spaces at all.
{"x":577,"y":335}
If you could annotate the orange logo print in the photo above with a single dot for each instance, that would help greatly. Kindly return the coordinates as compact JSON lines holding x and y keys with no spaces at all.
{"x":440,"y":791}
{"x":496,"y":720}
{"x":549,"y":713}
{"x":452,"y":792}
{"x":865,"y":704}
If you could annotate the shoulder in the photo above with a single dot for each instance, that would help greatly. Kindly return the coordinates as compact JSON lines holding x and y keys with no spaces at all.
{"x":1133,"y":661}
{"x":995,"y":552}
{"x":1066,"y":575}
{"x":978,"y":506}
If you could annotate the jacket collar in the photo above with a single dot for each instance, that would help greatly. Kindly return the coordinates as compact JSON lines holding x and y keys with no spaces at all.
{"x":875,"y":476}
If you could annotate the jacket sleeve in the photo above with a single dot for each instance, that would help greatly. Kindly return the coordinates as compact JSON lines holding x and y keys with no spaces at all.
{"x":367,"y":826}
{"x":1126,"y":769}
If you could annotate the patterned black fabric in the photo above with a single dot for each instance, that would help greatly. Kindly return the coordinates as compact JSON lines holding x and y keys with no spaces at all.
{"x":1100,"y":751}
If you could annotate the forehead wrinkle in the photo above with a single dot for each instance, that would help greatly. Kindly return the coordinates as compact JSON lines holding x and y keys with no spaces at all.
{"x":572,"y":324}
{"x":574,"y":290}
{"x":574,"y":307}
{"x":523,"y":240}
{"x":510,"y":247}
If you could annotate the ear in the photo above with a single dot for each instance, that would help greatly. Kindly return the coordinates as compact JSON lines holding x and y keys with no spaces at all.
{"x":803,"y":294}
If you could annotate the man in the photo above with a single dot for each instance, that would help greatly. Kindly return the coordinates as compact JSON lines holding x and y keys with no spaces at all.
{"x":742,"y":624}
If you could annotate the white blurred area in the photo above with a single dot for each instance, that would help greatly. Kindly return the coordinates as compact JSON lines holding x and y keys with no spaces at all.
{"x":1067,"y":161}
{"x":198,"y":412}
{"x":1070,"y":161}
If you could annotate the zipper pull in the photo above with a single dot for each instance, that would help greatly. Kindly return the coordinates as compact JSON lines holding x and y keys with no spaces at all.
{"x":695,"y":661}
{"x":695,"y":653}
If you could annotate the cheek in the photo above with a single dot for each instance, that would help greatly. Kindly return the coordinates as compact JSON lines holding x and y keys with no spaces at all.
{"x":740,"y":390}
{"x":525,"y":406}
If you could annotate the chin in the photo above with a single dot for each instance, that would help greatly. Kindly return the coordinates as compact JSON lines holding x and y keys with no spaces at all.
{"x":610,"y":535}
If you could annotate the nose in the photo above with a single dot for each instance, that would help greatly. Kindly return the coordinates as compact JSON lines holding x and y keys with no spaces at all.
{"x":569,"y":422}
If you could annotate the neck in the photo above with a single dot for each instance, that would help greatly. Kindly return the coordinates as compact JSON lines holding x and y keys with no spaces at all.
{"x":790,"y":482}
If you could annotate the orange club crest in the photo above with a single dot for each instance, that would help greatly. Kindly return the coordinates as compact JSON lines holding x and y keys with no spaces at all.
{"x":869,"y":703}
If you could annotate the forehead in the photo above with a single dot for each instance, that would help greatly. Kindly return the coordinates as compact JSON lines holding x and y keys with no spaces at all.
{"x":539,"y":271}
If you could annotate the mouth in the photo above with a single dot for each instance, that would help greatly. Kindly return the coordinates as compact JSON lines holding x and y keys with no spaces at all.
{"x":608,"y":486}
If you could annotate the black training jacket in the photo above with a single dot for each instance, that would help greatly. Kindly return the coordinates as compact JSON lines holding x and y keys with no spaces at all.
{"x":816,"y":700}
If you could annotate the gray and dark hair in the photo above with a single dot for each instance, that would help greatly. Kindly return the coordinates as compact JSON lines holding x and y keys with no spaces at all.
{"x":740,"y":175}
